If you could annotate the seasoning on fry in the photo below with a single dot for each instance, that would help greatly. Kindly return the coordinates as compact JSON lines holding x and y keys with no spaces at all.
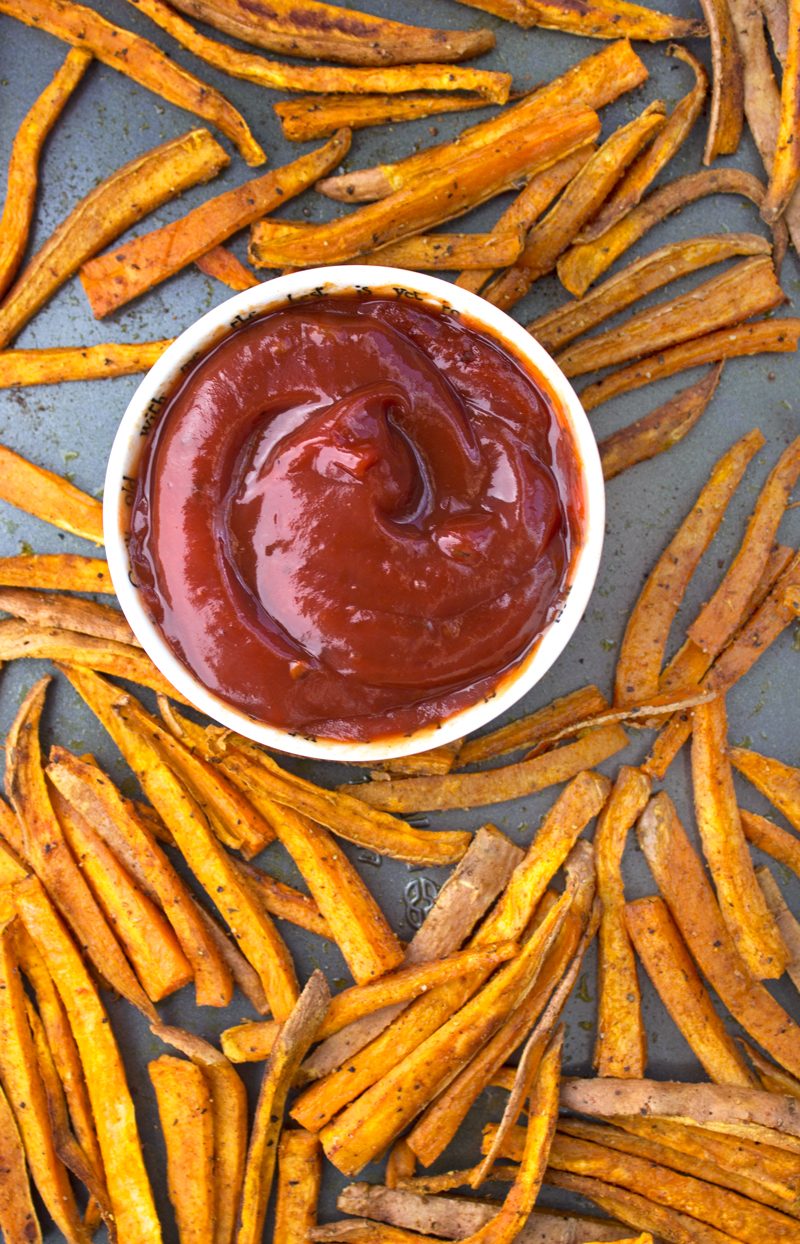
{"x":318,"y":116}
{"x":187,"y":1121}
{"x":65,"y":572}
{"x":63,"y":363}
{"x":786,"y":166}
{"x":299,"y":1179}
{"x":49,"y":497}
{"x":607,"y":21}
{"x":69,"y":613}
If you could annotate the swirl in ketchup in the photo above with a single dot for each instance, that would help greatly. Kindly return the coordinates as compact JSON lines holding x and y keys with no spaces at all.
{"x":354,"y":515}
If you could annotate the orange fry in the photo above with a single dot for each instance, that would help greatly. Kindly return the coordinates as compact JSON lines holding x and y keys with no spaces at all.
{"x":18,"y":1220}
{"x":222,"y":264}
{"x":69,"y":612}
{"x":777,"y":842}
{"x":299,"y":1179}
{"x":61,"y":363}
{"x":49,"y":497}
{"x":532,"y":729}
{"x":187,"y":1121}
{"x":450,"y":251}
{"x":318,"y":116}
{"x":778,"y":781}
{"x":286,"y":903}
{"x":786,"y":167}
{"x":597,"y":21}
{"x":66,"y":572}
{"x":727,"y":95}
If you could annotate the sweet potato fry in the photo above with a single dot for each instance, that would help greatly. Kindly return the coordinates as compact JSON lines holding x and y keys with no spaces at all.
{"x":128,"y":1185}
{"x":559,"y":715}
{"x":660,"y":430}
{"x":288,"y":1052}
{"x":666,"y":959}
{"x":773,"y":1078}
{"x":95,"y":797}
{"x":113,"y":279}
{"x":18,"y":1220}
{"x":761,"y":336}
{"x":45,"y":847}
{"x":49,"y":497}
{"x":621,"y":1044}
{"x":694,"y":908}
{"x":318,"y":116}
{"x":585,"y":262}
{"x":299,"y":1179}
{"x":597,"y":21}
{"x":578,"y":204}
{"x":401,"y":1163}
{"x":431,"y":199}
{"x":53,"y":366}
{"x":329,"y":32}
{"x":222,"y":264}
{"x":187,"y":1121}
{"x":286,"y":903}
{"x":118,"y":202}
{"x":727,"y":94}
{"x":776,"y":15}
{"x":557,"y":328}
{"x":434,"y":1184}
{"x":649,"y":164}
{"x":786,"y":166}
{"x":779,"y":843}
{"x":749,"y":288}
{"x":592,"y":82}
{"x":26,"y":1095}
{"x":741,"y":902}
{"x":68,"y":612}
{"x":448,"y":251}
{"x":778,"y":781}
{"x":66,"y":572}
{"x":788,"y":926}
{"x":23,"y":177}
{"x":143,"y":62}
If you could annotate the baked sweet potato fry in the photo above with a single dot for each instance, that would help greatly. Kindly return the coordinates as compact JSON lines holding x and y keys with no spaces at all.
{"x":449,"y":251}
{"x":401,"y":1163}
{"x":667,"y":962}
{"x":68,"y":612}
{"x":592,"y":82}
{"x":187,"y":1121}
{"x":773,"y":1078}
{"x":287,"y":1054}
{"x":299,"y":1180}
{"x":318,"y":116}
{"x":727,"y":94}
{"x":61,"y":363}
{"x":66,"y":572}
{"x":113,"y":279}
{"x":597,"y":21}
{"x":788,"y":927}
{"x":222,"y":264}
{"x":748,"y":288}
{"x":694,"y":908}
{"x":140,"y":60}
{"x":778,"y":781}
{"x":584,"y":262}
{"x":621,"y":1044}
{"x":285,"y":902}
{"x":23,"y":178}
{"x":786,"y":166}
{"x":779,"y":843}
{"x":128,"y":1185}
{"x":118,"y":202}
{"x":330,"y":32}
{"x":533,"y":729}
{"x":431,"y":199}
{"x":580,"y":201}
{"x":18,"y":1220}
{"x":660,"y":430}
{"x":761,"y":336}
{"x":49,"y":497}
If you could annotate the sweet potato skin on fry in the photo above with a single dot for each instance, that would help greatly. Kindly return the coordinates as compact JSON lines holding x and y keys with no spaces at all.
{"x":66,"y":572}
{"x":187,"y":1121}
{"x":727,"y":95}
{"x":778,"y":781}
{"x":220,"y":263}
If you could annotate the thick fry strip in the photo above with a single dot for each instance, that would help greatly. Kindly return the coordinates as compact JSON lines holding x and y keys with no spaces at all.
{"x":741,"y":902}
{"x":694,"y":908}
{"x":727,"y":94}
{"x":401,"y":1163}
{"x":585,"y":262}
{"x":22,"y":181}
{"x":649,"y":623}
{"x":128,"y":1185}
{"x":187,"y":1121}
{"x":660,"y":430}
{"x":650,"y":163}
{"x":332,"y":33}
{"x":288,"y":1052}
{"x":25,"y":1091}
{"x":449,"y":251}
{"x":299,"y":1179}
{"x":318,"y":116}
{"x":69,"y":613}
{"x":96,"y":798}
{"x":712,"y":627}
{"x":530,"y":730}
{"x":60,"y":363}
{"x":786,"y":166}
{"x":140,"y":60}
{"x":578,"y":204}
{"x":557,"y":328}
{"x":431,"y":199}
{"x":18,"y":1220}
{"x":592,"y":82}
{"x":666,"y":959}
{"x":778,"y":781}
{"x":749,"y":288}
{"x":45,"y":847}
{"x":621,"y":1045}
{"x":113,"y":279}
{"x":66,"y":572}
{"x":49,"y":497}
{"x":222,"y":264}
{"x":759,"y":337}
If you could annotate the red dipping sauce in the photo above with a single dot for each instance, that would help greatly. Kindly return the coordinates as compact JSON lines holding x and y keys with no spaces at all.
{"x":354,"y":515}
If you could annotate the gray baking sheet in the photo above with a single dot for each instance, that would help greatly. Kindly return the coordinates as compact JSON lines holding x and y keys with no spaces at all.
{"x":70,"y":427}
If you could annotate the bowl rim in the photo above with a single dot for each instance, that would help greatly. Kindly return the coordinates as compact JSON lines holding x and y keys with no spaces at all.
{"x":195,"y":340}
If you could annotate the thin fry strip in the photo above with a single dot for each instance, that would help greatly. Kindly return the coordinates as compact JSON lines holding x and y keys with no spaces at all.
{"x":128,"y":1185}
{"x":22,"y":180}
{"x":694,"y":908}
{"x":224,"y":266}
{"x":69,"y":613}
{"x":741,"y":902}
{"x":757,"y":338}
{"x":431,"y":199}
{"x":585,"y":262}
{"x":286,"y":903}
{"x":524,"y":732}
{"x":318,"y":116}
{"x":786,"y":167}
{"x":299,"y":1180}
{"x":779,"y":843}
{"x":579,"y":203}
{"x":660,"y":430}
{"x":788,"y":926}
{"x":18,"y":1220}
{"x":597,"y":21}
{"x":400,"y":1164}
{"x":778,"y":781}
{"x":727,"y":94}
{"x":61,"y":363}
{"x":66,"y":572}
{"x":773,"y":1078}
{"x":113,"y":279}
{"x":49,"y":497}
{"x":184,"y":1107}
{"x":450,"y":251}
{"x":140,"y":60}
{"x":621,"y":1044}
{"x":592,"y":82}
{"x":666,"y":959}
{"x":748,"y":288}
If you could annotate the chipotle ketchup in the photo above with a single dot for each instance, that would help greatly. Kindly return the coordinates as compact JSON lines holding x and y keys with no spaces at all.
{"x":353,"y":515}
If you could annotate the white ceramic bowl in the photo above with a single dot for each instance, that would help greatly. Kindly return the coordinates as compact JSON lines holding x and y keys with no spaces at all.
{"x":123,"y":465}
